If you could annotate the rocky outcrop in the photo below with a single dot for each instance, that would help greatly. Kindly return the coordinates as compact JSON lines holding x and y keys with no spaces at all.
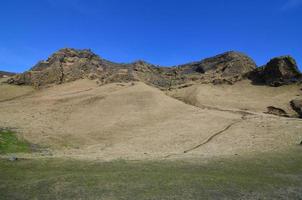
{"x":63,"y":66}
{"x":297,"y":106}
{"x":228,"y":67}
{"x":278,"y":71}
{"x":4,"y":74}
{"x":70,"y":64}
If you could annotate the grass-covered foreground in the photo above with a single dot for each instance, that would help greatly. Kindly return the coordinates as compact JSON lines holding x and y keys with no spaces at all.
{"x":270,"y":176}
{"x":10,"y":143}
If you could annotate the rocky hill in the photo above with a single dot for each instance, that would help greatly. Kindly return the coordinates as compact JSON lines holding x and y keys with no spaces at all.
{"x":278,"y":71}
{"x":71,"y":64}
{"x":128,"y":118}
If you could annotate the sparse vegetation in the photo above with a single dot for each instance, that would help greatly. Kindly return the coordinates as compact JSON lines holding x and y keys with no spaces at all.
{"x":216,"y":133}
{"x":10,"y":143}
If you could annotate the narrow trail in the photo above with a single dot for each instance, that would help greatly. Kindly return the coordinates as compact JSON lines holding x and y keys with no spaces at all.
{"x":209,"y":139}
{"x":212,"y":136}
{"x":76,"y":92}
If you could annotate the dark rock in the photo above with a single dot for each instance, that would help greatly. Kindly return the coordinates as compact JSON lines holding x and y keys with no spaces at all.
{"x":70,"y":64}
{"x":297,"y":106}
{"x":226,"y":65}
{"x":63,"y":66}
{"x":278,"y":71}
{"x":276,"y":111}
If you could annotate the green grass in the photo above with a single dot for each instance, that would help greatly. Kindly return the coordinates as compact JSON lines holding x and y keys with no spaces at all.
{"x":265,"y":176}
{"x":9,"y":143}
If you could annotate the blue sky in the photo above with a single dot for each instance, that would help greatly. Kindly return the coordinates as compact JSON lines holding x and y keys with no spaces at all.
{"x":164,"y":32}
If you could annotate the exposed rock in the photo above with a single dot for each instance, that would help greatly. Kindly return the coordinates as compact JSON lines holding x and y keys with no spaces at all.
{"x":278,"y":71}
{"x":276,"y":111}
{"x":63,"y":66}
{"x":228,"y":67}
{"x":297,"y":106}
{"x":70,"y":64}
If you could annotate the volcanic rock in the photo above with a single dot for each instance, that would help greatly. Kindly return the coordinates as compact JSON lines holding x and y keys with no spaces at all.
{"x":63,"y":66}
{"x":278,"y":71}
{"x":71,"y":64}
{"x":228,"y":64}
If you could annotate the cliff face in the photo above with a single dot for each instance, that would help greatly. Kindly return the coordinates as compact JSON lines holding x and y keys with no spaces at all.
{"x":70,"y":64}
{"x":63,"y":66}
{"x":228,"y":67}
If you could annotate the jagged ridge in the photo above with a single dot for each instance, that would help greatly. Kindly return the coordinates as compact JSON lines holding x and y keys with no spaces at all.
{"x":71,"y":64}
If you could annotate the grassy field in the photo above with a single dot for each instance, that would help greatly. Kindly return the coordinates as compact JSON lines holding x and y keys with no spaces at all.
{"x":266,"y":176}
{"x":9,"y":143}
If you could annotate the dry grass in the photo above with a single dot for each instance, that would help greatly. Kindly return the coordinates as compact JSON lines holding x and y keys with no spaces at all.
{"x":9,"y":92}
{"x":135,"y":121}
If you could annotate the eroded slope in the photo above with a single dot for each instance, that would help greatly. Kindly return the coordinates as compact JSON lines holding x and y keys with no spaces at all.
{"x":135,"y":121}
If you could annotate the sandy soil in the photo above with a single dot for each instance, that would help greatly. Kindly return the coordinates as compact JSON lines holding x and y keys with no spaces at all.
{"x":240,"y":96}
{"x":9,"y":92}
{"x":135,"y":121}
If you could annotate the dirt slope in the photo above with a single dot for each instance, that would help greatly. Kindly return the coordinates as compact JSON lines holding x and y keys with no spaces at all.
{"x":135,"y":121}
{"x":241,"y":96}
{"x":9,"y":92}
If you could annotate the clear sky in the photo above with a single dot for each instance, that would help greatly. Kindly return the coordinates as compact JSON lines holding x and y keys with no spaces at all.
{"x":164,"y":32}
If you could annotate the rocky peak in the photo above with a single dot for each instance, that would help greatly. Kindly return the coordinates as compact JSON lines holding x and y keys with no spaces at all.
{"x":63,"y":66}
{"x":229,"y":64}
{"x":67,"y":56}
{"x":278,"y":71}
{"x":226,"y":67}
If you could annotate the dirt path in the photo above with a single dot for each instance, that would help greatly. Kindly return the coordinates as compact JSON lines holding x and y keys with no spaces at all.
{"x":212,"y":136}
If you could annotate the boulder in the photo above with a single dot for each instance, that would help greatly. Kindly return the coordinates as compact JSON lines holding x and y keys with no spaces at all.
{"x":297,"y":106}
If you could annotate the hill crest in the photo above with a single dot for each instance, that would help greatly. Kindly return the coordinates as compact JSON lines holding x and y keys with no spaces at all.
{"x":69,"y":64}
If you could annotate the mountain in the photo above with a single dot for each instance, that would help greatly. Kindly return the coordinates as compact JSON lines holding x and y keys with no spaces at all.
{"x":70,"y":64}
{"x":98,"y":109}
